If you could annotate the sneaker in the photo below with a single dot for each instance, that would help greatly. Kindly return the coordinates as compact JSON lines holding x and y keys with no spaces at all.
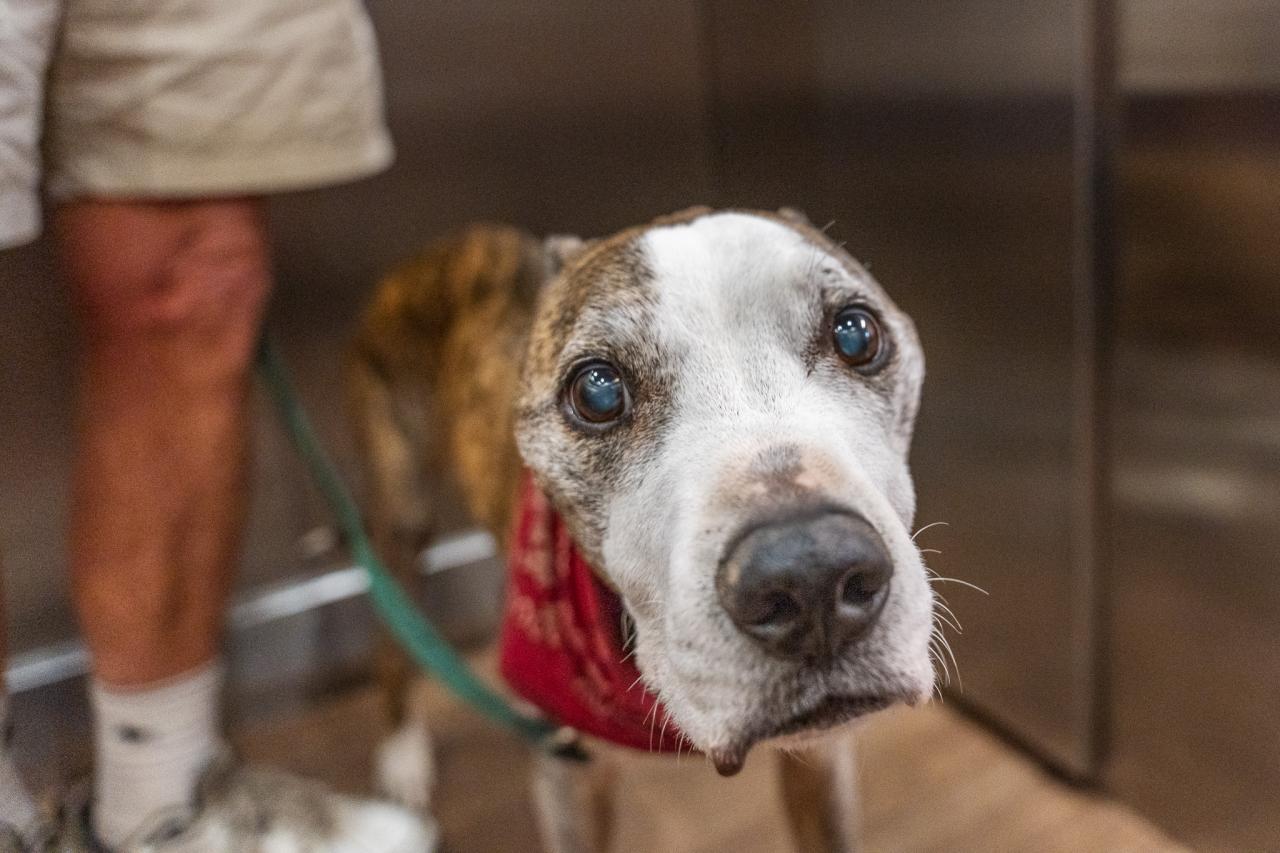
{"x":256,"y":810}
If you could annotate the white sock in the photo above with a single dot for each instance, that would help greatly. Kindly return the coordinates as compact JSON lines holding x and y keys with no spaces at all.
{"x":16,"y":807}
{"x":152,"y":743}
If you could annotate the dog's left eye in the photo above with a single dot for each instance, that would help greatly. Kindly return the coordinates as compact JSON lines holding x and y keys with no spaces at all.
{"x":597,"y":393}
{"x":857,"y":338}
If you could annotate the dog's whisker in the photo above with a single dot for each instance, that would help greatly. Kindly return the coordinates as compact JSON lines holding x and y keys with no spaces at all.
{"x":954,"y":619}
{"x":683,"y":741}
{"x":937,"y":654}
{"x":941,"y":663}
{"x":946,"y":605}
{"x":949,"y":622}
{"x":940,"y":579}
{"x":652,"y":716}
{"x":927,"y":526}
{"x":946,"y":669}
{"x":943,"y":615}
{"x":947,"y":646}
{"x":942,"y":612}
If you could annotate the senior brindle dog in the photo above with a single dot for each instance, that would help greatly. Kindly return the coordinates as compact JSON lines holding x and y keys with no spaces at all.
{"x":719,"y":404}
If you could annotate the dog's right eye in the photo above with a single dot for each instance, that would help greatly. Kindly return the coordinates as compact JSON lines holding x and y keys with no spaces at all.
{"x":597,"y":393}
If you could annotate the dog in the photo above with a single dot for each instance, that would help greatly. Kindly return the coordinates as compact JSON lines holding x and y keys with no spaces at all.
{"x":719,"y":405}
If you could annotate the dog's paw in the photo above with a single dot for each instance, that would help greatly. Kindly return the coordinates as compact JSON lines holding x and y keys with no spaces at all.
{"x":405,"y":766}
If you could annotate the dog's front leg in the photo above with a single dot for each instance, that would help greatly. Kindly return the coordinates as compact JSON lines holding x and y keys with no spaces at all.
{"x":574,"y":802}
{"x":820,"y":793}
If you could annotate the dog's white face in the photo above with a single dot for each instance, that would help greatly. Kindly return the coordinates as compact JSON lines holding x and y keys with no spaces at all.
{"x":720,"y":405}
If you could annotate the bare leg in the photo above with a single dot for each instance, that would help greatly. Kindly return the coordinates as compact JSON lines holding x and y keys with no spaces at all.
{"x":820,"y":792}
{"x":168,"y":297}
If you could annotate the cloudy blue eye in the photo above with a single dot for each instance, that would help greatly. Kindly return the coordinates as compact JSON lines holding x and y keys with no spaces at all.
{"x":857,"y":338}
{"x":597,"y":393}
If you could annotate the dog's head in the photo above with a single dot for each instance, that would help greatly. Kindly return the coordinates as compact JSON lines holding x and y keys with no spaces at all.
{"x":720,"y":405}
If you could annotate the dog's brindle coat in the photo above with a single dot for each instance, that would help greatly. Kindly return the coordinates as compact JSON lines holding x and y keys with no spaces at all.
{"x":719,"y":323}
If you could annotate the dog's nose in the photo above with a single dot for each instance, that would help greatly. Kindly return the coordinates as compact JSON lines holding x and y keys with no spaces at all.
{"x":806,"y":588}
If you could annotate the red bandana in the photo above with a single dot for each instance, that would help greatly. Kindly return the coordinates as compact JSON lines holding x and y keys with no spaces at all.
{"x":561,"y":640}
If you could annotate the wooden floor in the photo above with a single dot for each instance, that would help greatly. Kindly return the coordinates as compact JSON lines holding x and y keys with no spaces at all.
{"x":932,"y":781}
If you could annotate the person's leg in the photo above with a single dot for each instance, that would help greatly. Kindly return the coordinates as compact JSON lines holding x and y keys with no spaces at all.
{"x":168,"y":297}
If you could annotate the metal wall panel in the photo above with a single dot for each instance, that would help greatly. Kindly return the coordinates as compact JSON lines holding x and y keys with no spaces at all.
{"x":1195,"y":647}
{"x":938,"y":139}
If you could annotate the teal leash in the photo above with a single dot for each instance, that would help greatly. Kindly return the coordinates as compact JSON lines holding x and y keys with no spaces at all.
{"x":411,"y":629}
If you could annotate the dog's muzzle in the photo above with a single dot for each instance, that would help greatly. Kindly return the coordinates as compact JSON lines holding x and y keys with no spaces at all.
{"x":806,"y":588}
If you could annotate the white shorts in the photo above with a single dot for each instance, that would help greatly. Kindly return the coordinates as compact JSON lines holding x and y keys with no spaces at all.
{"x":182,"y":99}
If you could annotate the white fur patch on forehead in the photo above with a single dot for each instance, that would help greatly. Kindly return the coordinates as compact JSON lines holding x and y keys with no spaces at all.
{"x":731,"y":254}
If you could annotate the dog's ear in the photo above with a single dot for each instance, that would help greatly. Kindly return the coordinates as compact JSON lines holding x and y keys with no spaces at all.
{"x":561,"y":249}
{"x":794,"y":215}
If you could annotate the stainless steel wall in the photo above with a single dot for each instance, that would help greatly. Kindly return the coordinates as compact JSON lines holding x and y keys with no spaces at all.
{"x":938,"y":137}
{"x":1195,"y":640}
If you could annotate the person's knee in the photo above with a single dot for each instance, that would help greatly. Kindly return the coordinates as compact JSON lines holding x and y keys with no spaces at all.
{"x":145,"y":273}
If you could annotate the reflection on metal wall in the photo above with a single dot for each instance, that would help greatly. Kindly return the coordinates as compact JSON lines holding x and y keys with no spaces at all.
{"x":1199,"y":46}
{"x":1195,"y":647}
